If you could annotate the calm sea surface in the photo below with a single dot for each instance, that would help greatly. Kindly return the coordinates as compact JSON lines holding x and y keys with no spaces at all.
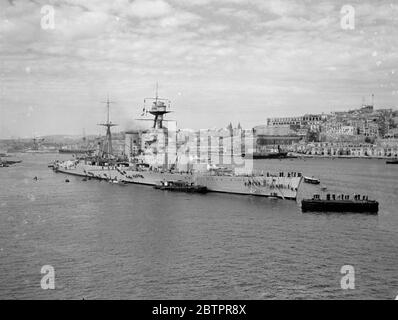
{"x":134,"y":242}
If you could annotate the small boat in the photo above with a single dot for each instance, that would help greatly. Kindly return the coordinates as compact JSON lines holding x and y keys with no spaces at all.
{"x":273,"y":195}
{"x":341,"y":203}
{"x":84,"y":179}
{"x":181,"y":186}
{"x":7,"y":163}
{"x":13,"y":161}
{"x":268,"y":155}
{"x":119,"y":182}
{"x":393,"y":161}
{"x":66,"y":180}
{"x":312,"y":180}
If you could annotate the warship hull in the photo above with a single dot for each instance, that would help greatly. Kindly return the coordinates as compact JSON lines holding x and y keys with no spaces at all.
{"x":283,"y":186}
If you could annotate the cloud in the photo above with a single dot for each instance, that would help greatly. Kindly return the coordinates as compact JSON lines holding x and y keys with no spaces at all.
{"x":226,"y":55}
{"x":149,"y":8}
{"x":281,"y":7}
{"x":179,"y":19}
{"x":78,"y":24}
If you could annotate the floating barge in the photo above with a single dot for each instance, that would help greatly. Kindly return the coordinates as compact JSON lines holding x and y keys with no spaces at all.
{"x":181,"y":186}
{"x":342,"y":203}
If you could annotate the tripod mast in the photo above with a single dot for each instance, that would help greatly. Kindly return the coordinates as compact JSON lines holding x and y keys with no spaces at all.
{"x":107,"y":150}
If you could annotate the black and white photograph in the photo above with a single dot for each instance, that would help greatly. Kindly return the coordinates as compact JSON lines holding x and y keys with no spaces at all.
{"x":198,"y":150}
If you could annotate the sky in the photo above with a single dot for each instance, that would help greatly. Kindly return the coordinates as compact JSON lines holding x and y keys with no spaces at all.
{"x":218,"y":61}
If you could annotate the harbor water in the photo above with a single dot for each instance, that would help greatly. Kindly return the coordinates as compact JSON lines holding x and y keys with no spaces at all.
{"x":109,"y":241}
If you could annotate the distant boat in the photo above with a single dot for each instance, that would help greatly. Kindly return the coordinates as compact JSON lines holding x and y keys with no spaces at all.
{"x":7,"y":163}
{"x":13,"y":161}
{"x":393,"y":161}
{"x":269,"y":155}
{"x":312,"y":180}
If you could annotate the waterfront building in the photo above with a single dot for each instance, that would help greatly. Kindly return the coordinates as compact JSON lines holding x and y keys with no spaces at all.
{"x":337,"y":129}
{"x":308,"y":119}
{"x":267,"y":137}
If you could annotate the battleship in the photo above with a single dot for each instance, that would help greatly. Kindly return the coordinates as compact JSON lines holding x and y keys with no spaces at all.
{"x":106,"y":166}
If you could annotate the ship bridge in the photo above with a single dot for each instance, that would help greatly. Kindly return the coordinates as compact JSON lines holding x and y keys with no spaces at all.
{"x":157,"y":107}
